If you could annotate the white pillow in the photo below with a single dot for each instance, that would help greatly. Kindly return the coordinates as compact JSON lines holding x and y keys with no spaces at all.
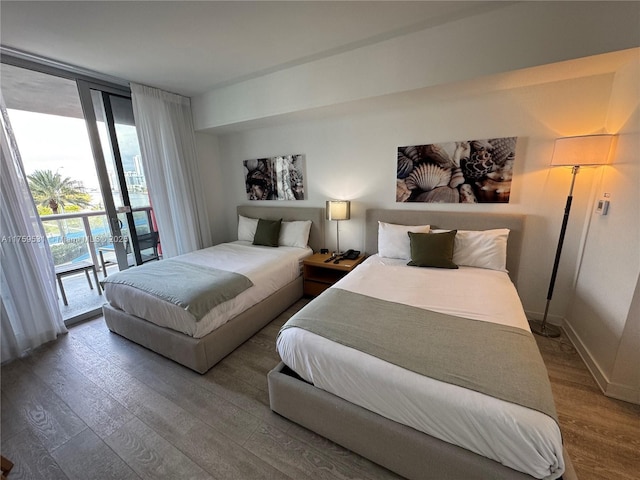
{"x":481,"y":248}
{"x":393,"y":240}
{"x":247,"y":228}
{"x":295,"y":234}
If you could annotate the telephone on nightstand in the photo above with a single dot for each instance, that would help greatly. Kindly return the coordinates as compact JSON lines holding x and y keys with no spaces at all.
{"x":351,"y":254}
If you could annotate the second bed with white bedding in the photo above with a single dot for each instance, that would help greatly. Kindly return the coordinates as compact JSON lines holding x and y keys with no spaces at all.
{"x":269,"y":269}
{"x":518,"y":437}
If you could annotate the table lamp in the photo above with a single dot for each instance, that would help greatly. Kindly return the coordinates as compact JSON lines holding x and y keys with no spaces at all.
{"x":338,"y":210}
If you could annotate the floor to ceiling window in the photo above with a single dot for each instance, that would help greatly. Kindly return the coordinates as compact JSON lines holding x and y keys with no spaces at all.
{"x":78,"y":144}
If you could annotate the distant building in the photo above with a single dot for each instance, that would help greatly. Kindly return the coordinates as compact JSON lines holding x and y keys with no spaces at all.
{"x":137,"y":161}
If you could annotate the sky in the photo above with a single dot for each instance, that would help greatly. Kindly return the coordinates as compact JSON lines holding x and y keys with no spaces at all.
{"x":57,"y":143}
{"x":50,"y":142}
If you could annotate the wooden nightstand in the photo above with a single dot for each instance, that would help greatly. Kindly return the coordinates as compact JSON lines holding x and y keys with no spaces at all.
{"x":318,"y":275}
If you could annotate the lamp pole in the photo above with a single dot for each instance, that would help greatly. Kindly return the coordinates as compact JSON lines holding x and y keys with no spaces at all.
{"x":543,"y":328}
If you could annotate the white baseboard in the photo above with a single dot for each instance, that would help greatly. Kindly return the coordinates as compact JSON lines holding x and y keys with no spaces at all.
{"x":593,"y":367}
{"x":623,"y":392}
{"x":613,"y":390}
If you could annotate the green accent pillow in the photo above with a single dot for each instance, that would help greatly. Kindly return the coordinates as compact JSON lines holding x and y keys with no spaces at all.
{"x":267,"y":232}
{"x":432,"y":249}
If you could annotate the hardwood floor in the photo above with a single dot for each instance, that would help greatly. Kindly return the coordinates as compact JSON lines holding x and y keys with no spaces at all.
{"x":601,"y":434}
{"x":95,"y":406}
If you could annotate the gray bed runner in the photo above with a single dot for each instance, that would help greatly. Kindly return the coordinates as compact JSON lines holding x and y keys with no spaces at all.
{"x":493,"y":359}
{"x":195,"y":288}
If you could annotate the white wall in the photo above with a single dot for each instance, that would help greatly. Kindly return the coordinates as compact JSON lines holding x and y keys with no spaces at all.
{"x":514,"y":36}
{"x":625,"y":380}
{"x":353,"y":156}
{"x":603,"y":322}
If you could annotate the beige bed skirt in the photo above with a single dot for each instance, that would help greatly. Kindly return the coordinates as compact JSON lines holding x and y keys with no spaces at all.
{"x":200,"y":354}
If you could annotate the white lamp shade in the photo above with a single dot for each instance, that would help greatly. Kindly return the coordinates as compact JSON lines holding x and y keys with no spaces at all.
{"x":582,"y":151}
{"x":338,"y":210}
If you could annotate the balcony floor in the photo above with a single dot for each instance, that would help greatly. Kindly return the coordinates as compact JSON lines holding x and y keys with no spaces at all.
{"x":80,"y":297}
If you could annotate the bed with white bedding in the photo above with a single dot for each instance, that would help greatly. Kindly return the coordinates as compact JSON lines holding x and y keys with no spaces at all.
{"x":269,"y":269}
{"x":199,"y":341}
{"x":419,"y":426}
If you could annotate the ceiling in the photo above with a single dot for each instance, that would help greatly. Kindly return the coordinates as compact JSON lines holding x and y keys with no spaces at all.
{"x":192,"y":47}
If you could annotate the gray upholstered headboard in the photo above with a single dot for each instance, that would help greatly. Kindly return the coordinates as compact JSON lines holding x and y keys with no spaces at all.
{"x":451,"y":220}
{"x":315,"y":214}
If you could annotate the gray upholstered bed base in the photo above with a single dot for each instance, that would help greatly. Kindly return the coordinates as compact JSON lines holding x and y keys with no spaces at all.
{"x":200,"y":354}
{"x":399,"y":448}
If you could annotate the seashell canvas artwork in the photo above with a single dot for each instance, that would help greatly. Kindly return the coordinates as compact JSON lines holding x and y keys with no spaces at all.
{"x":469,"y":171}
{"x":275,"y":178}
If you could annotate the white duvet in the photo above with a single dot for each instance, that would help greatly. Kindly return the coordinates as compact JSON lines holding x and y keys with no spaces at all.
{"x":520,"y":438}
{"x":268,"y":268}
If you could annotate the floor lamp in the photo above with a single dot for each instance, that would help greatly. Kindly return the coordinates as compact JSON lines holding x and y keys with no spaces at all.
{"x":574,"y":152}
{"x":338,"y":210}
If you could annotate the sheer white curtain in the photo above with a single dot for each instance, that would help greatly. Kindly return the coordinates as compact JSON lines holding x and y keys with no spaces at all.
{"x":168,"y":146}
{"x":28,"y":303}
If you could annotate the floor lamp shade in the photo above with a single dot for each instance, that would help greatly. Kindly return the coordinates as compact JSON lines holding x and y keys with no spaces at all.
{"x":338,"y":210}
{"x":582,"y":151}
{"x":575,"y":152}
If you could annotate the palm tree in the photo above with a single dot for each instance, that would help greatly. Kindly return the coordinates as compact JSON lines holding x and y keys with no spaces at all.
{"x":49,"y":189}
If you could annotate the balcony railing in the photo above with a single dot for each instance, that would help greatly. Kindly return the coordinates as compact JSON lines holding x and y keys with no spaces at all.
{"x":75,"y":237}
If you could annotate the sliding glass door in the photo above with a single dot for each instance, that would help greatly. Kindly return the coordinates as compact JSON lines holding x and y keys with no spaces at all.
{"x":80,"y":151}
{"x":109,"y":116}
